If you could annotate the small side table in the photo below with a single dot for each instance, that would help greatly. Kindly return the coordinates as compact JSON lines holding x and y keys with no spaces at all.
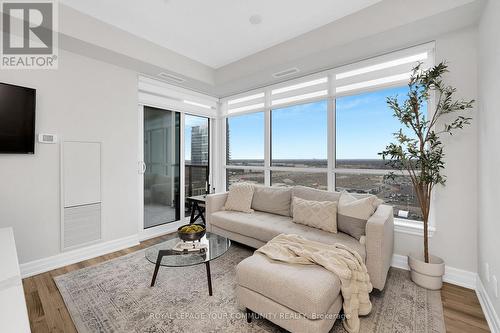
{"x":197,"y":208}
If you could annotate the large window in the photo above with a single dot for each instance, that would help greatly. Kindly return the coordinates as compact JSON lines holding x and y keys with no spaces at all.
{"x":326,"y":131}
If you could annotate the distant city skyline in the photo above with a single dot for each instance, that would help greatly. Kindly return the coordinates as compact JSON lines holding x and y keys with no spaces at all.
{"x":200,"y":127}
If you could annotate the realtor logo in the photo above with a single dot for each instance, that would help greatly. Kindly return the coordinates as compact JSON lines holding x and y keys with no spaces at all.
{"x":29,"y":34}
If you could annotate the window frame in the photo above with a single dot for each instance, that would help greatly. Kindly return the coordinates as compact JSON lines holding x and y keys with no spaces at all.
{"x":408,"y":226}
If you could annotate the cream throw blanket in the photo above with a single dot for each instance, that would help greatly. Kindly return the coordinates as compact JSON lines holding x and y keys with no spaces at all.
{"x":347,"y":264}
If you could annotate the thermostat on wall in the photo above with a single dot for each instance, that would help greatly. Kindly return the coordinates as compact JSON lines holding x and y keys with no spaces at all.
{"x":47,"y":138}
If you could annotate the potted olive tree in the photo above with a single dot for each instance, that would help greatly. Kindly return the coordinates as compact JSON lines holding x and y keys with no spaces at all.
{"x":418,"y":151}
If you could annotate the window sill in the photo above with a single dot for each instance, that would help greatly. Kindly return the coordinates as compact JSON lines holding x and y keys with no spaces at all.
{"x":412,"y":227}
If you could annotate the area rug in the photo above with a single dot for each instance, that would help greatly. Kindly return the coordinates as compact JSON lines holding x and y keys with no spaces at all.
{"x":115,"y":296}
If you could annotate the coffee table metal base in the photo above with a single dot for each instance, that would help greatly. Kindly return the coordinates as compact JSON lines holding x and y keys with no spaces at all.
{"x":163,"y":253}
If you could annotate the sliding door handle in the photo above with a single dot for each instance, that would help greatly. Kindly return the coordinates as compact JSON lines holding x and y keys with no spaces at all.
{"x":142,"y":167}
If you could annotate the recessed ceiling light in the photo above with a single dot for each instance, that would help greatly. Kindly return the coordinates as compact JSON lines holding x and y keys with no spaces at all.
{"x":255,"y":19}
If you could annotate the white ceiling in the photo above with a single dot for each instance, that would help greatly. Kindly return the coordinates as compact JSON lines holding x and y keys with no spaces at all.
{"x":217,"y":32}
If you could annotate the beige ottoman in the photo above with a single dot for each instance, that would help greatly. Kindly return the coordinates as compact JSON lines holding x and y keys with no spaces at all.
{"x":299,"y":298}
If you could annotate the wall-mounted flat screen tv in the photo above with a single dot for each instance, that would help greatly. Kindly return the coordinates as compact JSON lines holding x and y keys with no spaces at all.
{"x":17,"y":119}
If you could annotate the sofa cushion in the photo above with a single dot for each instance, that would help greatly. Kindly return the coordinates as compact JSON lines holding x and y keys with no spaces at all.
{"x":264,"y":227}
{"x":275,"y":200}
{"x":308,"y":193}
{"x":240,"y":197}
{"x":316,"y":214}
{"x":307,"y":289}
{"x":353,"y":213}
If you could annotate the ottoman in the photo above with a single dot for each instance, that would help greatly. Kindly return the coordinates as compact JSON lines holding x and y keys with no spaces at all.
{"x":299,"y":298}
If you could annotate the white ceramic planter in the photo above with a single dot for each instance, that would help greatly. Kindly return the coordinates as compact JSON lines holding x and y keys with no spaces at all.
{"x":427,"y":275}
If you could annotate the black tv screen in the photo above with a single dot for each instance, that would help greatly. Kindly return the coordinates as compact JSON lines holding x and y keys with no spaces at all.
{"x":17,"y":119}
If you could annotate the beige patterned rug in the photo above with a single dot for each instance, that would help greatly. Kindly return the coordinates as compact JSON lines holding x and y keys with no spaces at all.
{"x":115,"y":297}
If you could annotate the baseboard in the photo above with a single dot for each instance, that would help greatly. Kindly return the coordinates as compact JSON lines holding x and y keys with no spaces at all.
{"x":67,"y":258}
{"x":487,"y":305}
{"x":400,"y":261}
{"x":452,"y":275}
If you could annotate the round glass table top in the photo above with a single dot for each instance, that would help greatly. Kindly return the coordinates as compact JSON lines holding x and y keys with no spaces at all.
{"x":216,"y":246}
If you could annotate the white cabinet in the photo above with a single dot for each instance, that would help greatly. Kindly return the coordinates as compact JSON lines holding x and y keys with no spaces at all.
{"x":13,"y":312}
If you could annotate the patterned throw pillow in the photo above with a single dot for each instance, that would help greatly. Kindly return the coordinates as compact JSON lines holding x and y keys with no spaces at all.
{"x":240,"y":198}
{"x":354,"y":213}
{"x":317,"y":214}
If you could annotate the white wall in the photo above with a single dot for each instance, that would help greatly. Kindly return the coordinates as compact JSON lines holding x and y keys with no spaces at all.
{"x":455,"y":204}
{"x":489,"y":155}
{"x":84,"y":99}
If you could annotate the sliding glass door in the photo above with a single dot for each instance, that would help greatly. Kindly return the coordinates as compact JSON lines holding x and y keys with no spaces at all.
{"x":162,"y":166}
{"x":196,"y":153}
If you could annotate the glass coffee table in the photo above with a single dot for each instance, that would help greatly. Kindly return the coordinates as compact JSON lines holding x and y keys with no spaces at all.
{"x":163,"y":255}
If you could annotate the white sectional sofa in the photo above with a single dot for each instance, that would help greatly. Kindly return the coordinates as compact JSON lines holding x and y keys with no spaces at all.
{"x":273,"y":216}
{"x":299,"y":298}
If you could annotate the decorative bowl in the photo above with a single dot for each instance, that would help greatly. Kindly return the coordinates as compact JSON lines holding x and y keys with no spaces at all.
{"x":191,"y":236}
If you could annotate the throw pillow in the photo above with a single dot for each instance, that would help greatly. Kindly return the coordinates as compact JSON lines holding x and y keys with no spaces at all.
{"x":317,"y":214}
{"x":309,"y":193}
{"x":240,"y":197}
{"x":354,"y":213}
{"x":274,"y":200}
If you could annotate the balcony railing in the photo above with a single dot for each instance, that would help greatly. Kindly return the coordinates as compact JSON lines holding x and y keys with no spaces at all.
{"x":196,"y":180}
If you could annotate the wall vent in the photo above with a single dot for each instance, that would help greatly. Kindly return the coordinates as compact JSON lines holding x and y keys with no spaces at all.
{"x":171,"y":77}
{"x":286,"y":72}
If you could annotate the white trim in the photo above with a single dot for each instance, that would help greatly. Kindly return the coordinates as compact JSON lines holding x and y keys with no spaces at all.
{"x":70,"y":257}
{"x":141,"y":167}
{"x":331,"y":144}
{"x":268,"y":132}
{"x":370,"y":171}
{"x":382,"y":65}
{"x":246,"y":98}
{"x":400,"y":261}
{"x":452,"y":275}
{"x":162,"y":95}
{"x":160,"y":230}
{"x":245,"y":167}
{"x":460,"y":277}
{"x":300,"y":102}
{"x":487,"y":306}
{"x":221,"y":181}
{"x":182,"y":165}
{"x":412,"y":227}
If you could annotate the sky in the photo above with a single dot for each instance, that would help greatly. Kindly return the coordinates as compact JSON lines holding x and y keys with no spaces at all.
{"x":364,"y":126}
{"x":189,"y":122}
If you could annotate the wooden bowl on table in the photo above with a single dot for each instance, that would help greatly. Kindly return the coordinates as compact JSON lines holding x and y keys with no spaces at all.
{"x":191,"y":232}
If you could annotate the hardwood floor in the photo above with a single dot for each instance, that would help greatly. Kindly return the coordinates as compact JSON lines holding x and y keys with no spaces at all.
{"x":47,"y":312}
{"x":462,"y":311}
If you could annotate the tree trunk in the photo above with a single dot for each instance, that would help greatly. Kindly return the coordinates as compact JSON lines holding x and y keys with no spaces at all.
{"x":426,"y":238}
